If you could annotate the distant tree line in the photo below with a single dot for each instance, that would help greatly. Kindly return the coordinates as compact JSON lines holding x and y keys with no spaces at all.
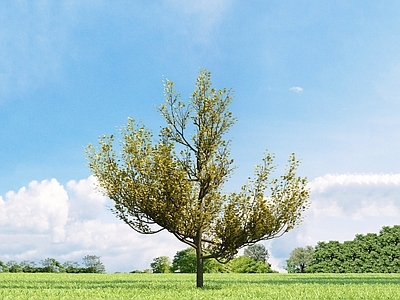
{"x":254,"y":260}
{"x":91,"y":264}
{"x":370,"y":253}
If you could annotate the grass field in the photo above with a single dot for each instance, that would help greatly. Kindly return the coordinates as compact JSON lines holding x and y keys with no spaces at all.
{"x":182,"y":286}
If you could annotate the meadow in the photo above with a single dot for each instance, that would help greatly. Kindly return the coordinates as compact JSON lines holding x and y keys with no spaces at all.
{"x":182,"y":286}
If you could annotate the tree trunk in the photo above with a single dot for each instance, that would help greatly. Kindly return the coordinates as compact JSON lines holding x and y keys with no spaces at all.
{"x":302,"y":266}
{"x":199,"y":269}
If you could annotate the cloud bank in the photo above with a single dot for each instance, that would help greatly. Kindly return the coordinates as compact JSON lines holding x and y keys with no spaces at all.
{"x":47,"y":219}
{"x":343,"y":205}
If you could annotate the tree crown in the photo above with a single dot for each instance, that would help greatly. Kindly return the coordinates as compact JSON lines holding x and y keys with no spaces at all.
{"x":175,"y":182}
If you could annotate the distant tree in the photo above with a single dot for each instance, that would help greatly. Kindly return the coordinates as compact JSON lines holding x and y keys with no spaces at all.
{"x":51,"y":265}
{"x":147,"y":271}
{"x":28,"y":266}
{"x":176,"y":183}
{"x":327,"y":258}
{"x":14,"y":267}
{"x":72,"y":267}
{"x":214,"y":266}
{"x":3,"y":267}
{"x":161,"y":264}
{"x":246,"y":264}
{"x":184,"y":261}
{"x":299,"y":259}
{"x":387,"y":258}
{"x":257,"y":252}
{"x":93,"y":264}
{"x":137,"y":272}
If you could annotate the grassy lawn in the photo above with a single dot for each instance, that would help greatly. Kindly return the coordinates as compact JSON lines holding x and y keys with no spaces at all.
{"x":182,"y":286}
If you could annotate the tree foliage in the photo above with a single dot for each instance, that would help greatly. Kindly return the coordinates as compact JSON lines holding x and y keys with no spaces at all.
{"x":93,"y":264}
{"x":370,"y":253}
{"x":73,"y":267}
{"x":28,"y":266}
{"x":184,"y":261}
{"x":161,"y":264}
{"x":257,"y":252}
{"x":299,"y":259}
{"x":3,"y":267}
{"x":175,"y":182}
{"x":51,"y":265}
{"x":246,"y":264}
{"x":13,"y":267}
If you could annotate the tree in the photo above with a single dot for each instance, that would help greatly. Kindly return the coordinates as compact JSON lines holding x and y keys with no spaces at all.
{"x":28,"y":266}
{"x":14,"y":267}
{"x":93,"y":264}
{"x":161,"y":264}
{"x":3,"y":267}
{"x":184,"y":261}
{"x":246,"y":264}
{"x":72,"y":267}
{"x":299,"y":259}
{"x":175,"y":182}
{"x":213,"y":266}
{"x":51,"y":265}
{"x":257,"y":252}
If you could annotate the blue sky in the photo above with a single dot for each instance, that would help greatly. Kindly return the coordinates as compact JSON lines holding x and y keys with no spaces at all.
{"x":317,"y":78}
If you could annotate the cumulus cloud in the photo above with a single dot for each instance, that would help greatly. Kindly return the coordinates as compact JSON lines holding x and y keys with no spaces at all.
{"x":343,"y":205}
{"x":86,"y":202}
{"x":47,"y":219}
{"x":356,"y":196}
{"x":296,"y":89}
{"x":41,"y":208}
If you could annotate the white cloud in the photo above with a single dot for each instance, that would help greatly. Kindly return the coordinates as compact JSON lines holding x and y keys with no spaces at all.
{"x":86,"y":202}
{"x":356,"y":195}
{"x":342,"y":206}
{"x":332,"y":181}
{"x":46,"y":219}
{"x":296,"y":89}
{"x":42,"y":208}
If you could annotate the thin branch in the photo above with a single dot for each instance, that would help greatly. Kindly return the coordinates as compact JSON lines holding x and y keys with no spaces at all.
{"x":183,"y":240}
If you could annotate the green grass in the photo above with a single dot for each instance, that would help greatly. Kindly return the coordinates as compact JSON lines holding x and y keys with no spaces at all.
{"x":182,"y":286}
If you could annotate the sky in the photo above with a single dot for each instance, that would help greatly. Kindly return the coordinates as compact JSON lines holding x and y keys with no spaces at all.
{"x":317,"y":78}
